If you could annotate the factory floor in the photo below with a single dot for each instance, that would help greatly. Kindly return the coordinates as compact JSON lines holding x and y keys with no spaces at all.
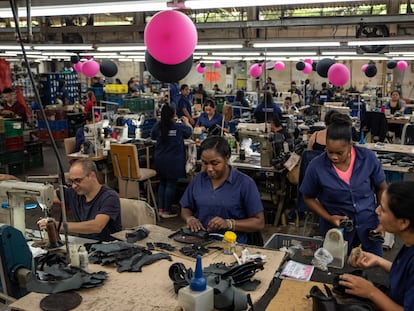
{"x":50,"y":167}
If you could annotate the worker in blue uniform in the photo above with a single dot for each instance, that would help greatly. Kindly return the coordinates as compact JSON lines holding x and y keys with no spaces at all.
{"x":169,"y":156}
{"x":210,"y":117}
{"x":396,"y":216}
{"x":221,"y":198}
{"x":345,"y":182}
{"x":183,"y":107}
{"x":266,"y":109}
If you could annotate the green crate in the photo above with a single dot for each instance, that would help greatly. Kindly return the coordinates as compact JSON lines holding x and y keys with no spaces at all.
{"x":13,"y":128}
{"x":15,"y":156}
{"x":33,"y":161}
{"x":4,"y":158}
{"x":16,"y":168}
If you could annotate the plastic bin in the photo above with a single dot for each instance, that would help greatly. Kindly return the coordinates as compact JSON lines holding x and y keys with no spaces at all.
{"x":15,"y":143}
{"x":13,"y":128}
{"x":279,"y":240}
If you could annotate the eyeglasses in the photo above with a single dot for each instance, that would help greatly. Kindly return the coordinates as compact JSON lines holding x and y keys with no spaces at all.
{"x":76,"y":181}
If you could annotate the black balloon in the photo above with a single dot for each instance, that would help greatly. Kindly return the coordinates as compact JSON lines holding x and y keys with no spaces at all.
{"x":300,"y":66}
{"x":314,"y":64}
{"x":202,"y":65}
{"x":223,"y":62}
{"x":391,"y":64}
{"x":74,"y":59}
{"x":168,"y":73}
{"x":323,"y":66}
{"x":371,"y":71}
{"x":108,"y":68}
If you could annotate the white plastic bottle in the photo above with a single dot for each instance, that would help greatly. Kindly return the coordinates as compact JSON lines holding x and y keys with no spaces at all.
{"x":83,"y":258}
{"x":197,"y":296}
{"x":74,"y":256}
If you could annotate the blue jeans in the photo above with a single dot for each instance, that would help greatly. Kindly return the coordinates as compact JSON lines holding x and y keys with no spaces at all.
{"x":166,"y":193}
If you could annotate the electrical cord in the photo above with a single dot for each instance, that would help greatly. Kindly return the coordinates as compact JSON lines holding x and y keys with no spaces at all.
{"x":42,"y":110}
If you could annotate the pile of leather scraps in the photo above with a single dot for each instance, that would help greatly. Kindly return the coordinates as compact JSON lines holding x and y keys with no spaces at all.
{"x":127,"y":256}
{"x":58,"y":278}
{"x":194,"y":250}
{"x":402,"y":160}
{"x":138,"y":234}
{"x":225,"y":280}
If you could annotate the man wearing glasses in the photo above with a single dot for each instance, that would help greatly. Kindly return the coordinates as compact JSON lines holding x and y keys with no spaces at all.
{"x":95,"y":208}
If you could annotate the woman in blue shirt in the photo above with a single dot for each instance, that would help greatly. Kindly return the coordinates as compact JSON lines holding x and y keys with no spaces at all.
{"x":210,"y":117}
{"x":221,"y":198}
{"x":396,"y":216}
{"x":169,"y":156}
{"x":345,"y":182}
{"x":266,"y":109}
{"x":184,"y":104}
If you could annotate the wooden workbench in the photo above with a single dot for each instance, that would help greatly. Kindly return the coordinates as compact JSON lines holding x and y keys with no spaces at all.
{"x":152,"y":288}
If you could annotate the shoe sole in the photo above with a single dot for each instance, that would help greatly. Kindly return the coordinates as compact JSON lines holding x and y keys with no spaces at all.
{"x":168,"y":215}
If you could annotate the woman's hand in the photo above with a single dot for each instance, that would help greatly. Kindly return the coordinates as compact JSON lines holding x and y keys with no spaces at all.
{"x":357,"y":286}
{"x":363,"y":260}
{"x":217,"y":223}
{"x":194,"y":224}
{"x":336,"y":219}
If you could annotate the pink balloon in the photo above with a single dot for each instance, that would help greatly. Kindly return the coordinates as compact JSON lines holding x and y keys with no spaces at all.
{"x":338,"y":74}
{"x":255,"y":70}
{"x":308,"y":61}
{"x":402,"y":65}
{"x":200,"y":69}
{"x":308,"y":68}
{"x":279,"y":66}
{"x":170,"y":37}
{"x":364,"y":67}
{"x":217,"y":64}
{"x":78,"y":67}
{"x":90,"y":68}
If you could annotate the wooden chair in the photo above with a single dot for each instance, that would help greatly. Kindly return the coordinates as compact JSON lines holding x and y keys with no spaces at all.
{"x":135,"y":213}
{"x":70,"y":144}
{"x":126,"y":168}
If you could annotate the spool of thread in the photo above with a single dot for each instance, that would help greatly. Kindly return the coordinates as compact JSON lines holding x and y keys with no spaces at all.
{"x":52,"y":234}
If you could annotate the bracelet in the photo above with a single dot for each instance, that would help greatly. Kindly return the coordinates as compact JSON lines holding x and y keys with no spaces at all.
{"x":233,"y":224}
{"x":230,"y":224}
{"x":189,"y":219}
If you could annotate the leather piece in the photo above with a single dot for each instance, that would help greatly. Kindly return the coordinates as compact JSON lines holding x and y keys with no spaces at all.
{"x":61,"y":301}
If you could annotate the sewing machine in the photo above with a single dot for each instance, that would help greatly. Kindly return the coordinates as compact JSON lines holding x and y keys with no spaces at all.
{"x":258,"y":134}
{"x":14,"y":193}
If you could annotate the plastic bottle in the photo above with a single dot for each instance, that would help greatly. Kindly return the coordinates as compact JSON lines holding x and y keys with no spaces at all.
{"x":229,"y":240}
{"x":74,"y":256}
{"x":242,"y":154}
{"x":197,"y":296}
{"x":362,"y":138}
{"x":83,"y":258}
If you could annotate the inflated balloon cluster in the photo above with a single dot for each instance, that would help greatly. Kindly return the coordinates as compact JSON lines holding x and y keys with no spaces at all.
{"x":170,"y":38}
{"x":90,"y":67}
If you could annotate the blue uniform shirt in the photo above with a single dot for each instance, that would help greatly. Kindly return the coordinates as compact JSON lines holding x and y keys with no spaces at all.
{"x":105,"y":202}
{"x":402,"y":278}
{"x":169,"y":156}
{"x":183,"y":102}
{"x":356,"y":200}
{"x":261,"y":110}
{"x":236,"y":198}
{"x":203,"y":120}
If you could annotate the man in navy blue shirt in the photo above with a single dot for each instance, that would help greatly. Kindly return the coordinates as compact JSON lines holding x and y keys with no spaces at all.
{"x":266,"y":109}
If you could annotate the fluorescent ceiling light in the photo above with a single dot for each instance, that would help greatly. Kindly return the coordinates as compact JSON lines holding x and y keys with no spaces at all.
{"x":400,"y":53}
{"x":295,"y":44}
{"x":337,"y":53}
{"x":58,"y":54}
{"x":63,"y":47}
{"x":289,"y":53}
{"x":125,"y":60}
{"x":200,"y":54}
{"x":221,"y":58}
{"x":218,"y":46}
{"x":10,"y":47}
{"x":133,"y":53}
{"x":236,"y":53}
{"x":95,"y":8}
{"x":380,"y":42}
{"x":211,"y":4}
{"x":373,"y":57}
{"x":119,"y":48}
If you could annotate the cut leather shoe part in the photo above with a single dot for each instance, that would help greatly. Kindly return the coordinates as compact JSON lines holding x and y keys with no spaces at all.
{"x":340,"y":289}
{"x":139,"y":234}
{"x":375,"y":236}
{"x":61,"y":301}
{"x":320,"y":301}
{"x":347,"y":224}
